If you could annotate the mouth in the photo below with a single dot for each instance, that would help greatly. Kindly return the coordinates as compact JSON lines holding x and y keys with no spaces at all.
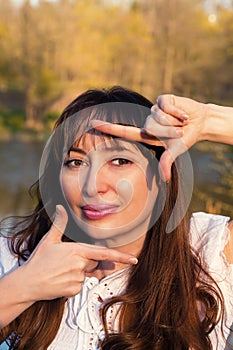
{"x":95,"y":212}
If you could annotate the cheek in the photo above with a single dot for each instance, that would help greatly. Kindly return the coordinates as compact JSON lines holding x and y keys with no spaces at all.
{"x":134,"y":190}
{"x":145,"y":194}
{"x":125,"y":189}
{"x":69,"y":187}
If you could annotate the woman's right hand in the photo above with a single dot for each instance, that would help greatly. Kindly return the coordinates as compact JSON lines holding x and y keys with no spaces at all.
{"x":56,"y":269}
{"x":175,"y":122}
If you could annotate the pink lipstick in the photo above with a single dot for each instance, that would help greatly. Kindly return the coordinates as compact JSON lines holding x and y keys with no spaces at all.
{"x":95,"y":212}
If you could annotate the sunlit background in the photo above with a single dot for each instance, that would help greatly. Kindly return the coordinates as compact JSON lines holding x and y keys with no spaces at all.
{"x":53,"y":50}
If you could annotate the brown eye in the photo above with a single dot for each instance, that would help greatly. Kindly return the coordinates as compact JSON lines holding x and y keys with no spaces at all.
{"x":75,"y":163}
{"x":121,"y":162}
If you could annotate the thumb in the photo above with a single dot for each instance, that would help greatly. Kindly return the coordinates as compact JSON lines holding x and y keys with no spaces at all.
{"x":165,"y":165}
{"x":174,"y":149}
{"x":57,"y":229}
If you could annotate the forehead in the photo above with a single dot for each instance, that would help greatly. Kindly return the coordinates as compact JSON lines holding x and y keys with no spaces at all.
{"x":101,"y":142}
{"x":106,"y":145}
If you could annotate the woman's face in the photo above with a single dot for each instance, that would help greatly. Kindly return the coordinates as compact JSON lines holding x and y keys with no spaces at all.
{"x":110,"y":188}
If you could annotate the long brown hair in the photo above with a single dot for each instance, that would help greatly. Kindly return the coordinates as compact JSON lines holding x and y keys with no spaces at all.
{"x":163,"y":312}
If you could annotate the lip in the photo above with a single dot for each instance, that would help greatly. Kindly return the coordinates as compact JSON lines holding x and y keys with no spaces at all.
{"x":95,"y":212}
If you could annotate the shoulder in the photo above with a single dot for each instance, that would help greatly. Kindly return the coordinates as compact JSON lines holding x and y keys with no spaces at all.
{"x":7,"y":259}
{"x":228,"y":250}
{"x":209,"y":235}
{"x":202,"y":224}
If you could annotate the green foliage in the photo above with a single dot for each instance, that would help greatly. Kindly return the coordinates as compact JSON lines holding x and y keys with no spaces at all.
{"x":47,"y":84}
{"x":12,"y":120}
{"x":214,"y":194}
{"x":54,"y":51}
{"x":49,"y":119}
{"x":152,"y":46}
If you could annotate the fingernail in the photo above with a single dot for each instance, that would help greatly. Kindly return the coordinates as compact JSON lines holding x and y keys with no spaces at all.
{"x":133,"y":261}
{"x":161,"y":174}
{"x":185,"y":116}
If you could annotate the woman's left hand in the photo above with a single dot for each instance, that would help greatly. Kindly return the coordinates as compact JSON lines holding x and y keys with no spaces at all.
{"x":175,"y":123}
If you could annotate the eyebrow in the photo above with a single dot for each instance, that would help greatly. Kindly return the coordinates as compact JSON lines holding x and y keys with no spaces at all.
{"x":76,"y":149}
{"x":112,"y":148}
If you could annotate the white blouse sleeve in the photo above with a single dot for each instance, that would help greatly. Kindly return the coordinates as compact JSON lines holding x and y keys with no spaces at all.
{"x":209,"y":235}
{"x":8,"y":261}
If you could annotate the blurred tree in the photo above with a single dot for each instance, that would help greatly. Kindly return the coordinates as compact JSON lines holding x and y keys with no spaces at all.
{"x":119,"y":46}
{"x":222,"y":82}
{"x":214,"y":194}
{"x":182,"y":42}
{"x":58,"y":49}
{"x":8,"y":45}
{"x":27,"y":74}
{"x":53,"y":51}
{"x":37,"y":76}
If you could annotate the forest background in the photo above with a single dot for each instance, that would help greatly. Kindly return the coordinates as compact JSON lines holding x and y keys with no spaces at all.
{"x":52,"y":51}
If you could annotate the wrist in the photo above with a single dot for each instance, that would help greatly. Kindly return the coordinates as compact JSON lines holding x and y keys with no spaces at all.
{"x":23,"y":286}
{"x":31,"y":292}
{"x":14,"y":296}
{"x":219,"y":124}
{"x":205,"y":122}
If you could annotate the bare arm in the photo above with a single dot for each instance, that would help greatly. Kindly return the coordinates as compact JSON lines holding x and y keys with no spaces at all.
{"x":205,"y":122}
{"x":212,"y":122}
{"x":14,"y":296}
{"x":219,"y":127}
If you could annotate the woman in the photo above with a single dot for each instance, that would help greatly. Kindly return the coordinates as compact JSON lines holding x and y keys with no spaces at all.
{"x":77,"y":286}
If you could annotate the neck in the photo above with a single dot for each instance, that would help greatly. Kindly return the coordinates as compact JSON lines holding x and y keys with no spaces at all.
{"x":106,"y":268}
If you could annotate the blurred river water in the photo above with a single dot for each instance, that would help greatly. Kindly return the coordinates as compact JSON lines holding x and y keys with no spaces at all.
{"x":19,"y":169}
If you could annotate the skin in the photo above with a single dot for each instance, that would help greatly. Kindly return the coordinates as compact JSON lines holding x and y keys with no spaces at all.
{"x":54,"y":269}
{"x":57,"y":269}
{"x":178,"y":123}
{"x":111,"y":174}
{"x":61,"y":267}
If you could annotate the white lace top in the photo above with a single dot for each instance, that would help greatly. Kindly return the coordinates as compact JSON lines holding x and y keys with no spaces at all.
{"x":81,"y":326}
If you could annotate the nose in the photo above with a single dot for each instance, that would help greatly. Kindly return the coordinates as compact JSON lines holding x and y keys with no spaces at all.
{"x":94,"y":181}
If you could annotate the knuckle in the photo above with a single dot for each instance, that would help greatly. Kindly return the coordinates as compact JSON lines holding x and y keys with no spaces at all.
{"x":160,"y":118}
{"x":165,"y":121}
{"x":172,"y":132}
{"x":72,"y":251}
{"x":80,"y":278}
{"x":154,"y":108}
{"x":160,"y":100}
{"x":77,"y":266}
{"x":73,"y":290}
{"x":149,"y":124}
{"x":104,"y":255}
{"x":109,"y":254}
{"x":81,"y":265}
{"x":76,"y":280}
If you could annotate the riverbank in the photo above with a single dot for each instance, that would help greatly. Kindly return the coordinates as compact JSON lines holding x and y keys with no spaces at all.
{"x":20,"y":156}
{"x":26,"y":136}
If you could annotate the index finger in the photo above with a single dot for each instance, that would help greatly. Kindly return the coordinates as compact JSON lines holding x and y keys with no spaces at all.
{"x":127,"y":132}
{"x":108,"y":254}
